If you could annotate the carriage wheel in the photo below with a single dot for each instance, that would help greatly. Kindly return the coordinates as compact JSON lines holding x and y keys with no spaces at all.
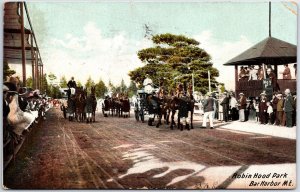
{"x":150,"y":121}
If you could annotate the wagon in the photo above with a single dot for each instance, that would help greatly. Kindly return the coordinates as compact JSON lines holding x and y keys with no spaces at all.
{"x":142,"y":107}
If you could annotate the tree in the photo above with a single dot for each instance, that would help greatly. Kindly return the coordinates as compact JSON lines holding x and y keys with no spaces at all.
{"x":132,"y":89}
{"x":55,"y":92}
{"x":89,"y":83}
{"x":101,"y":89}
{"x":123,"y":87}
{"x":174,"y":59}
{"x":45,"y":87}
{"x":63,"y":82}
{"x":7,"y":72}
{"x":79,"y":84}
{"x":111,"y":86}
{"x":29,"y":82}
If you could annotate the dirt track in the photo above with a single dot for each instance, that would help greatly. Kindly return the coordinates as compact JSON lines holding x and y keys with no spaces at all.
{"x":122,"y":153}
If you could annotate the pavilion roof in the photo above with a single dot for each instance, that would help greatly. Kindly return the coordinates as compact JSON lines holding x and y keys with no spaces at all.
{"x":269,"y":51}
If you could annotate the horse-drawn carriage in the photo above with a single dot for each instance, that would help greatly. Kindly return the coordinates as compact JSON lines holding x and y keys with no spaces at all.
{"x":79,"y":105}
{"x":116,"y":105}
{"x":157,"y":103}
{"x":145,"y":102}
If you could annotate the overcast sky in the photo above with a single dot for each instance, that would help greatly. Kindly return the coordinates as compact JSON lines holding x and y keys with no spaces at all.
{"x":101,"y":40}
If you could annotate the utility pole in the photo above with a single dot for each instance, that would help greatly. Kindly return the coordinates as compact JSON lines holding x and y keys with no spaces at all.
{"x":193,"y":82}
{"x":209,"y":87}
{"x":270,"y":19}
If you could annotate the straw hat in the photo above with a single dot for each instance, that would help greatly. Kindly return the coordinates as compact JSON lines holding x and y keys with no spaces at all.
{"x":5,"y":88}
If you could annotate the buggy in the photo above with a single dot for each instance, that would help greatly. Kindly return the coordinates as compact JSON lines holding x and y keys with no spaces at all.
{"x":143,"y":106}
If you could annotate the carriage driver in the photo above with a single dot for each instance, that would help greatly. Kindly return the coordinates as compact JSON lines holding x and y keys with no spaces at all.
{"x":72,"y":83}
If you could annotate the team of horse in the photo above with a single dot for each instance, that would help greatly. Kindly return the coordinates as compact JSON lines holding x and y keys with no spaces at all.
{"x":117,"y":105}
{"x":168,"y":105}
{"x":162,"y":105}
{"x":80,"y":105}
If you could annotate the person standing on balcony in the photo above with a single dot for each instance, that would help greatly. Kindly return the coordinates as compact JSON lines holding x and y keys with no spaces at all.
{"x":247,"y":72}
{"x":289,"y":108}
{"x":287,"y":72}
{"x":260,"y":73}
{"x":242,"y":106}
{"x":242,"y":74}
{"x":273,"y":78}
{"x":252,"y":73}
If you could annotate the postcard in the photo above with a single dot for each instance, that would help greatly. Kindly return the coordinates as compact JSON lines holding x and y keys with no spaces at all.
{"x":149,"y":95}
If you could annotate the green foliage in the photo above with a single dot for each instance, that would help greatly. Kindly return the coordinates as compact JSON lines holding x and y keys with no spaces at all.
{"x":46,"y":88}
{"x":55,"y":93}
{"x":111,"y":87}
{"x":173,"y":60}
{"x":79,"y":84}
{"x":7,"y":72}
{"x":63,"y":82}
{"x":123,"y":87}
{"x":29,"y":82}
{"x":132,"y":89}
{"x":89,"y":83}
{"x":101,"y":89}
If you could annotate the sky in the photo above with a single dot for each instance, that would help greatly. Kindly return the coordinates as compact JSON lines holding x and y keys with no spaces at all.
{"x":101,"y":40}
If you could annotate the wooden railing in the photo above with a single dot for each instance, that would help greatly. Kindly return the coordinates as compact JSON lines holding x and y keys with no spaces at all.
{"x":253,"y":88}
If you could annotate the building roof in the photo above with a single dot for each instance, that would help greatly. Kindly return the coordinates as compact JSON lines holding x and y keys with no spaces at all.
{"x":12,"y":50}
{"x":269,"y":51}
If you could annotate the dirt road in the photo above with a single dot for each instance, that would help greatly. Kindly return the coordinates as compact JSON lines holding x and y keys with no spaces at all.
{"x":122,"y":153}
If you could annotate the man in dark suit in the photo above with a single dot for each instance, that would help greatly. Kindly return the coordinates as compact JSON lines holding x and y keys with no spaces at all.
{"x":289,"y":108}
{"x":72,"y":83}
{"x":225,"y":105}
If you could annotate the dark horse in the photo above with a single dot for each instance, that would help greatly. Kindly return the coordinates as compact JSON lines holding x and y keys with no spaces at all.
{"x":80,"y":102}
{"x":181,"y":103}
{"x":186,"y":109}
{"x":90,"y":106}
{"x":125,"y":107}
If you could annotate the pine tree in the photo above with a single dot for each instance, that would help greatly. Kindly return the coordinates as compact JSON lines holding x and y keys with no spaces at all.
{"x":63,"y":82}
{"x":101,"y":89}
{"x":174,"y":59}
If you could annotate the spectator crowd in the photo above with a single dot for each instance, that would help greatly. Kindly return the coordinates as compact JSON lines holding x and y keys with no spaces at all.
{"x":280,"y":110}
